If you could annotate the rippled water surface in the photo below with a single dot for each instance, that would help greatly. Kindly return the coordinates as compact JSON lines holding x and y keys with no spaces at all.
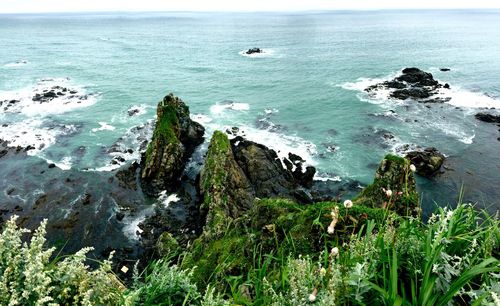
{"x":304,"y":94}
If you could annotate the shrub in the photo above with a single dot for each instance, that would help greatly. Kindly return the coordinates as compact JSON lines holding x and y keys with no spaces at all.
{"x":28,"y":277}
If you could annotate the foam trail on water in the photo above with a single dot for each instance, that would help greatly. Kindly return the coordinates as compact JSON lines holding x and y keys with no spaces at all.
{"x":16,"y":64}
{"x":220,"y":108}
{"x":104,"y":127}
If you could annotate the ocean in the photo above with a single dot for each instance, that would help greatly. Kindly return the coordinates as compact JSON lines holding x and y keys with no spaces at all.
{"x":304,"y":94}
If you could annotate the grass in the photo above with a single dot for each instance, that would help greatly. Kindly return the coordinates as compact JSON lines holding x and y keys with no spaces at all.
{"x":383,"y":259}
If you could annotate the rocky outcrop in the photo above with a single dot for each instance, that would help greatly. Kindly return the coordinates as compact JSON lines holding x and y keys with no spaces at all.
{"x":237,"y":171}
{"x":393,"y":188}
{"x":224,"y":187}
{"x":254,"y":50}
{"x":415,"y":84}
{"x":174,"y":139}
{"x":265,"y":170}
{"x":489,"y":118}
{"x":427,"y":161}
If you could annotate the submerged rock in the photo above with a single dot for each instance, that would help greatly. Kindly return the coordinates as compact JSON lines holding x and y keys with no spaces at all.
{"x":174,"y":139}
{"x":427,"y":161}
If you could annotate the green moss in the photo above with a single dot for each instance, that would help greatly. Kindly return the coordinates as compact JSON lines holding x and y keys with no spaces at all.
{"x":167,"y":125}
{"x":395,"y":158}
{"x":273,"y":226}
{"x":214,"y":175}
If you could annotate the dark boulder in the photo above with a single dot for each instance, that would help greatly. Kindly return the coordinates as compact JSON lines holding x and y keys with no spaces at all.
{"x":445,"y":69}
{"x":254,"y":50}
{"x":133,"y":111}
{"x":265,"y":170}
{"x":415,"y":75}
{"x":427,"y":161}
{"x":489,"y":118}
{"x":174,"y":139}
{"x":415,"y":93}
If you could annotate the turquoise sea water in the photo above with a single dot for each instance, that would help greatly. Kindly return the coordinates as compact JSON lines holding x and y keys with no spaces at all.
{"x":303,"y":95}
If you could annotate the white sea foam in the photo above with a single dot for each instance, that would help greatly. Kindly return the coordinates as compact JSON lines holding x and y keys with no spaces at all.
{"x":281,"y":143}
{"x":58,"y":105}
{"x":166,"y":199}
{"x":264,"y":53}
{"x":34,"y":132}
{"x":64,"y":164}
{"x":219,"y":108}
{"x":468,"y":99}
{"x":269,"y":111}
{"x":16,"y":64}
{"x":324,"y":178}
{"x":131,"y":229}
{"x":103,"y":127}
{"x":135,"y":139}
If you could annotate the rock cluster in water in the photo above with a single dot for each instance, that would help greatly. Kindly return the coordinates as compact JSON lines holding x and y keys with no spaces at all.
{"x":414,"y":84}
{"x":254,"y":50}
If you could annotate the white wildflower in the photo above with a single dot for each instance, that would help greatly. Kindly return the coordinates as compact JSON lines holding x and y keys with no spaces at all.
{"x":312,"y":296}
{"x":495,"y":297}
{"x":348,"y":204}
{"x":388,"y":192}
{"x":413,"y":168}
{"x":331,"y":228}
{"x":334,"y":252}
{"x":335,"y":213}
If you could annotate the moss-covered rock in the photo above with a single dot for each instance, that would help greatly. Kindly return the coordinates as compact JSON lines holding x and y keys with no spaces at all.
{"x":274,"y":226}
{"x":225,"y":190}
{"x":393,"y":188}
{"x":174,"y":139}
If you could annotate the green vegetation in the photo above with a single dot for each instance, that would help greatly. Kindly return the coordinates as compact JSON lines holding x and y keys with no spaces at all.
{"x":214,"y":173}
{"x":29,"y":277}
{"x":373,"y":257}
{"x":166,"y":129}
{"x":214,"y":181}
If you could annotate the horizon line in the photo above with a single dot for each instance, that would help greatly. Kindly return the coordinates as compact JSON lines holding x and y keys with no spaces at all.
{"x":252,"y":11}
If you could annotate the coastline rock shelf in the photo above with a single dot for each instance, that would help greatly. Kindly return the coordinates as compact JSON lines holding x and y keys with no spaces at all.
{"x":414,"y":84}
{"x":246,"y":195}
